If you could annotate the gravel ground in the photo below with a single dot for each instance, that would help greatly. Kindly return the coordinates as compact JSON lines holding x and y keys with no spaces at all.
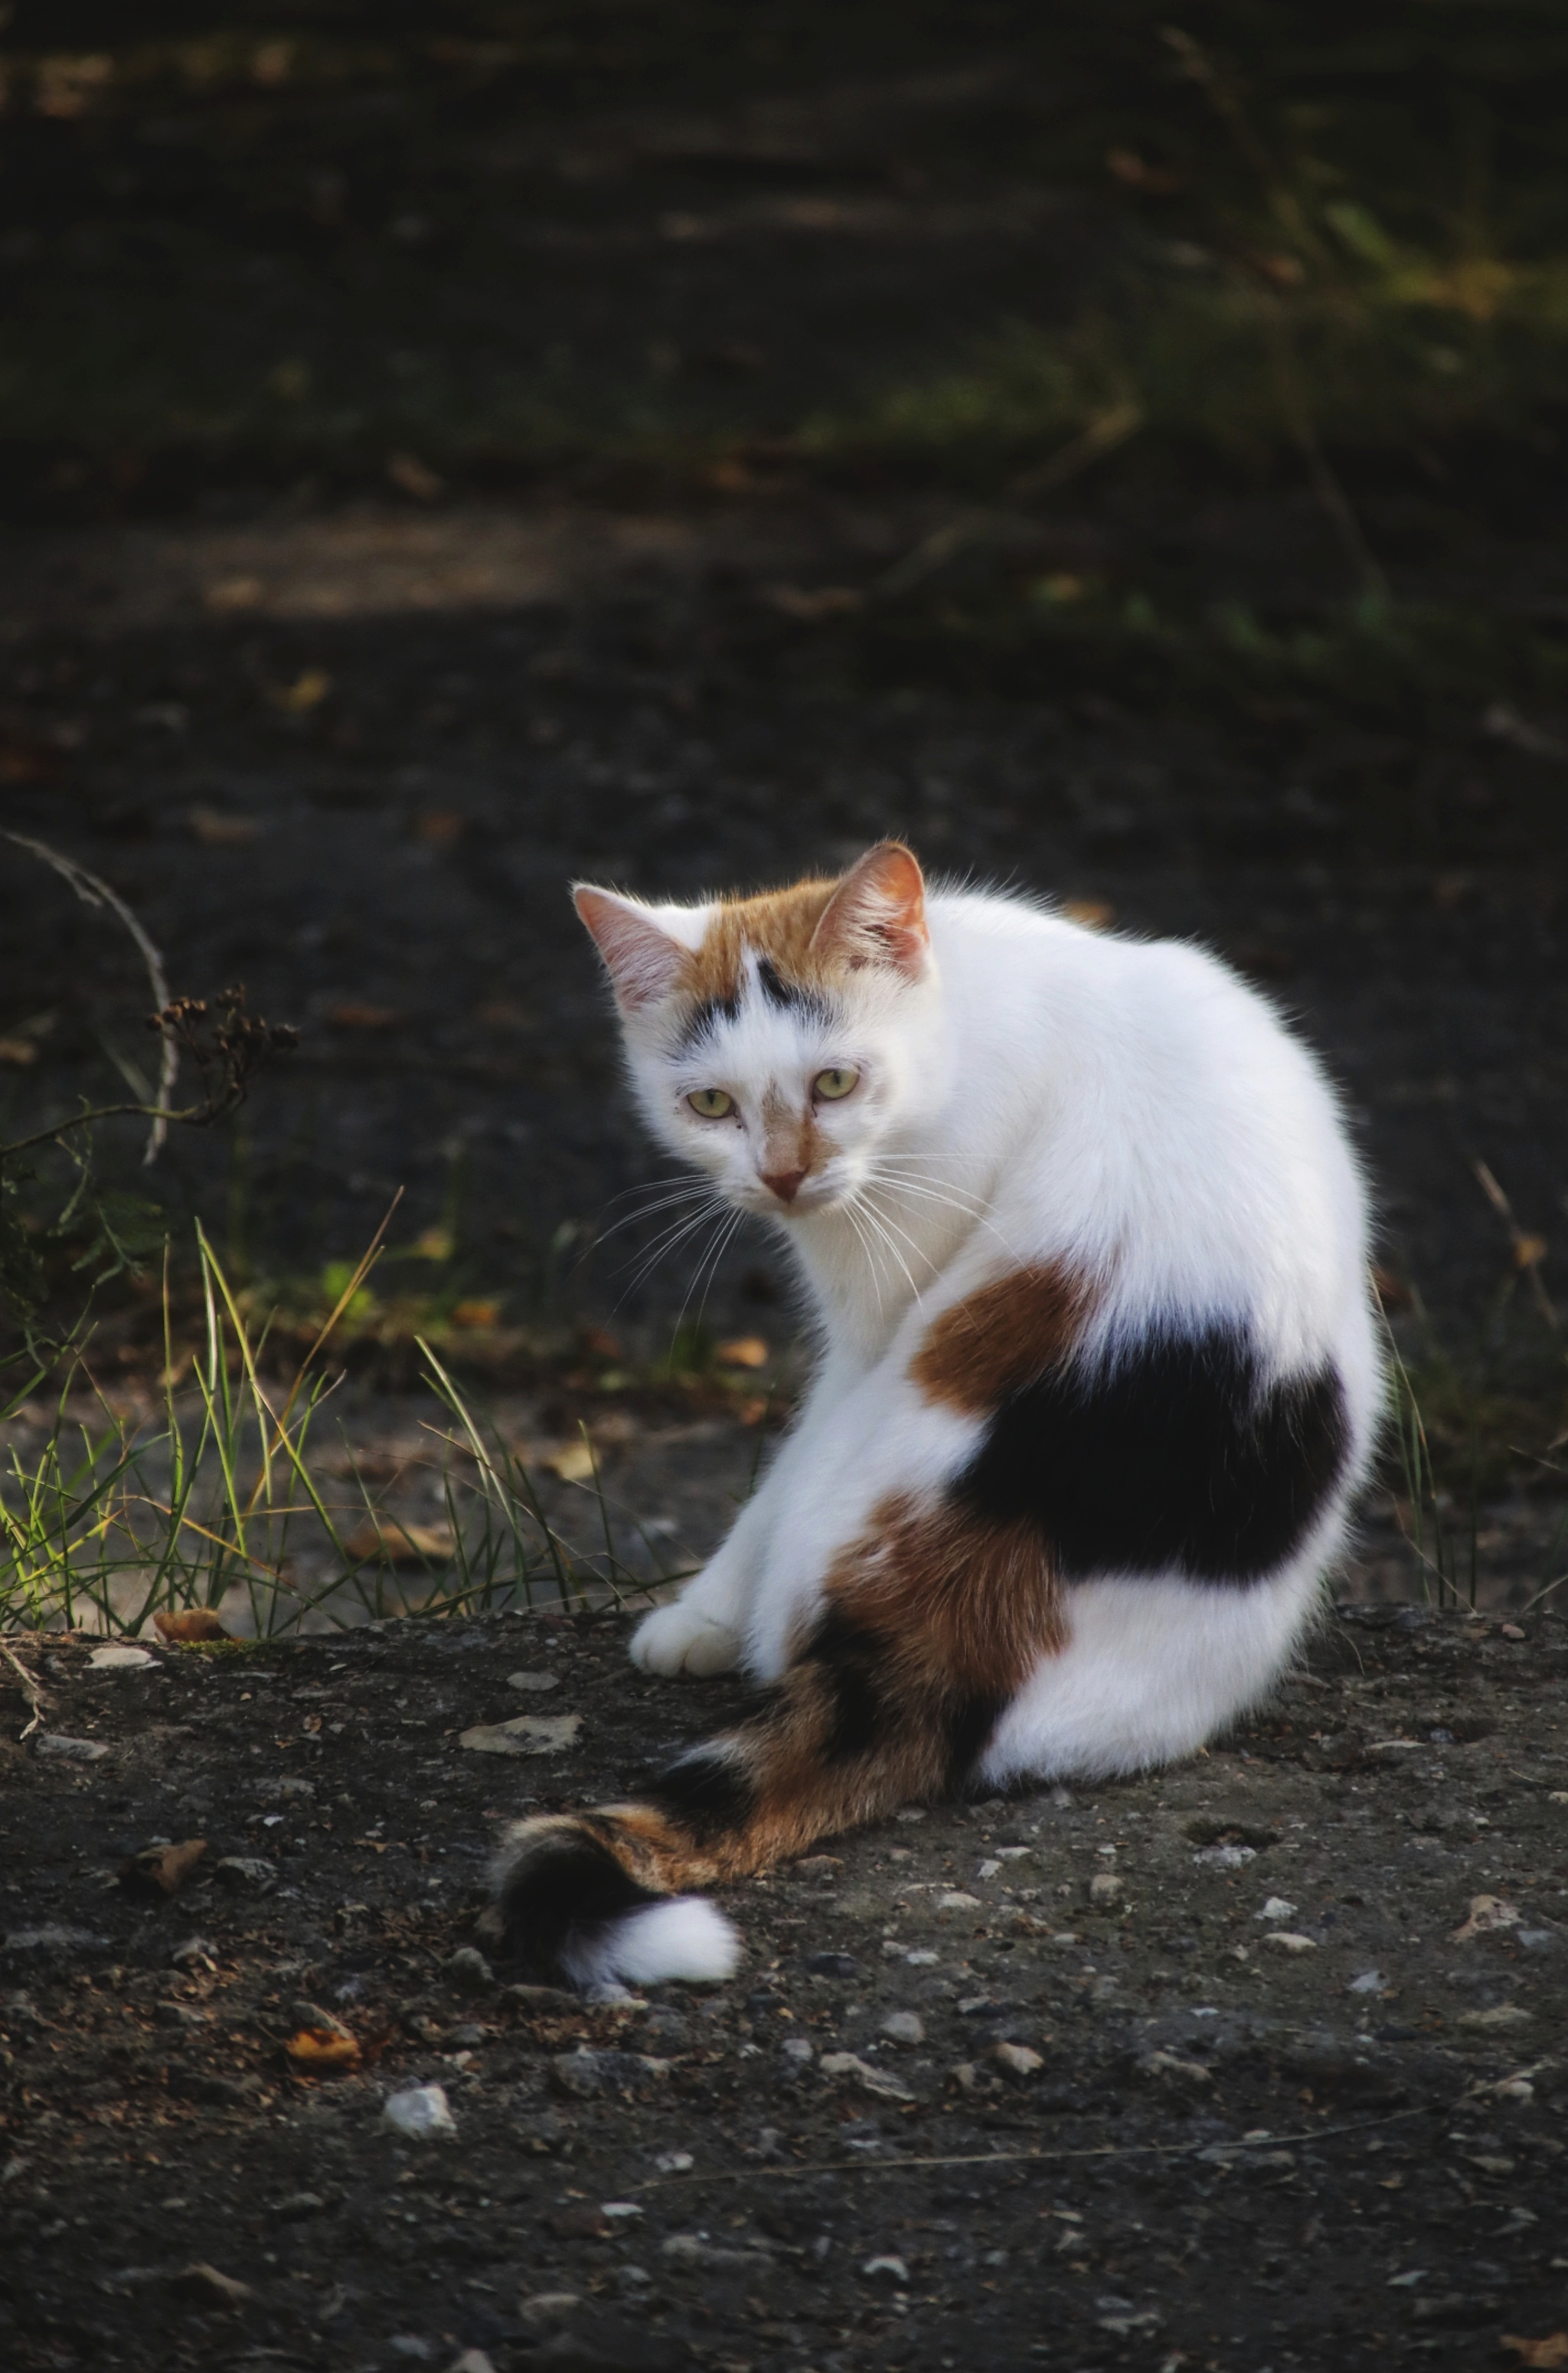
{"x":1252,"y":2063}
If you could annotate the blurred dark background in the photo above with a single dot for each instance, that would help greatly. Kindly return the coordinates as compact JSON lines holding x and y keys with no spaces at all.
{"x":449,"y":449}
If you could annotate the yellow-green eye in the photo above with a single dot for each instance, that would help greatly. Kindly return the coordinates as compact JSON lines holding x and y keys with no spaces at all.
{"x":710,"y":1103}
{"x":831,"y":1085}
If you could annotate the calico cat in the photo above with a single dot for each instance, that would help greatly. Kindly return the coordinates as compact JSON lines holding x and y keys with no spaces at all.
{"x":1086,"y":1250}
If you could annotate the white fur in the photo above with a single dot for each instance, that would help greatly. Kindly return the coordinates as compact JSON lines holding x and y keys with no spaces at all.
{"x":685,"y":1939}
{"x":1037,"y":1092}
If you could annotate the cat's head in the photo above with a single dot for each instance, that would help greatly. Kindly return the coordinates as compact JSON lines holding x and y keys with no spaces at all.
{"x":776,"y":1042}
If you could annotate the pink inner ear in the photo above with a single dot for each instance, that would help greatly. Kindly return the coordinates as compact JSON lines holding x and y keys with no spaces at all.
{"x":642,"y":961}
{"x":877,"y":914}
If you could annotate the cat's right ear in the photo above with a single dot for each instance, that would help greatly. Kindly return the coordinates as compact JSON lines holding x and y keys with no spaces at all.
{"x":643,"y":961}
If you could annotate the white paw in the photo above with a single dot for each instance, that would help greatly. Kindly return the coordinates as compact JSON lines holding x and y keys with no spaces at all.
{"x":682,"y":1639}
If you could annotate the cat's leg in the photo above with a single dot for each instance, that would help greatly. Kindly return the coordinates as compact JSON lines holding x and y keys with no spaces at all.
{"x":703,"y":1632}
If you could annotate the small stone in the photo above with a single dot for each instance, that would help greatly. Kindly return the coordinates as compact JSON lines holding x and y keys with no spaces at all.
{"x":885,"y":2270}
{"x":904,"y":2027}
{"x":120,"y":1660}
{"x":696,"y":2252}
{"x":1169,"y":2068}
{"x":540,"y":2310}
{"x":963,"y":2074}
{"x":533,"y":1684}
{"x":287,"y":1787}
{"x":1503,"y":2015}
{"x":956,"y":1901}
{"x":468,"y":1967}
{"x":180,"y":2015}
{"x":473,"y":2360}
{"x":1276,"y":1908}
{"x":247,"y":1871}
{"x":1486,"y":1913}
{"x":1224,"y":1857}
{"x":408,"y":2344}
{"x":299,"y":2206}
{"x":1289,"y":1942}
{"x":841,"y":2067}
{"x":421,"y":2113}
{"x":988,"y":1868}
{"x":1371,"y":1982}
{"x":58,"y":1749}
{"x":195,"y":1953}
{"x":1018,"y":2059}
{"x":921,"y":1958}
{"x":526,"y":1734}
{"x":679,"y":2162}
{"x":54,"y":1940}
{"x":796,"y":2048}
{"x":1105,"y":1887}
{"x":832,"y":1965}
{"x":1513,"y":1632}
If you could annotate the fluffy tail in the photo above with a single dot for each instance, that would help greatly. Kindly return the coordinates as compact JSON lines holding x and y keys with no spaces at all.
{"x":928,"y":1625}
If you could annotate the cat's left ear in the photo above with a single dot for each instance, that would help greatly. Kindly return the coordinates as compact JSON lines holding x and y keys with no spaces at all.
{"x":877,"y":914}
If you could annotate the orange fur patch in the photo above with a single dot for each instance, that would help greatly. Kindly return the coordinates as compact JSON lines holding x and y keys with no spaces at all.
{"x":1000,"y":1338}
{"x":779,"y":925}
{"x":939,"y":1613}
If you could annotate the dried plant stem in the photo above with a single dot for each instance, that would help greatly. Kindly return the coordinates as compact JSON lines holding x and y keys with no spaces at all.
{"x":94,"y":891}
{"x":30,"y":1690}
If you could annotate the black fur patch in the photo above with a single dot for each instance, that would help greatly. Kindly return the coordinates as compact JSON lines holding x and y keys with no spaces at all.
{"x":791,"y":996}
{"x":709,"y":1797}
{"x":850,"y":1659}
{"x":704,"y":1023}
{"x":1173,"y":1457}
{"x":564,"y":1883}
{"x":969,"y":1726}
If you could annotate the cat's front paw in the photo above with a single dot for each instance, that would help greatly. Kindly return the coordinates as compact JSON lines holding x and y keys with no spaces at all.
{"x":683,"y":1639}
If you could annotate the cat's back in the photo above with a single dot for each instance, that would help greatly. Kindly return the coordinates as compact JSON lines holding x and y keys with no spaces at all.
{"x":1160,"y":1101}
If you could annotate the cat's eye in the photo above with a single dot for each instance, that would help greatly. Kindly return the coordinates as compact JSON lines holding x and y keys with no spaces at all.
{"x":831,"y":1085}
{"x":710,"y":1103}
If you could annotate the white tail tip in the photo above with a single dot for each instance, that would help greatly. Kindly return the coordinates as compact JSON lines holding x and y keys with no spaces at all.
{"x":685,"y":1939}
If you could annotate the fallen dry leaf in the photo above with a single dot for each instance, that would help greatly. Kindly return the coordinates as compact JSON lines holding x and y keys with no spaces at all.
{"x":416,"y":477}
{"x":1552,"y":2351}
{"x":392,"y":1543}
{"x":1487,"y":1911}
{"x":476,"y":1313}
{"x":159,"y":1872}
{"x":352,"y":1013}
{"x":233,"y":593}
{"x":205,"y":2283}
{"x":573,"y":1462}
{"x":439,"y":827}
{"x":216,"y":830}
{"x":192,"y":1623}
{"x":306,"y":692}
{"x":1134,"y":172}
{"x":744,"y":1351}
{"x":316,"y":2048}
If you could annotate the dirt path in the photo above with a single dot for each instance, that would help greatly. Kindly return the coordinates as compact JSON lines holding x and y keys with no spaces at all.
{"x":1195,"y":2070}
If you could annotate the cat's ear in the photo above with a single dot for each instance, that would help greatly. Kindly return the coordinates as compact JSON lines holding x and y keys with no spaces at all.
{"x":642,"y":960}
{"x":877,"y":914}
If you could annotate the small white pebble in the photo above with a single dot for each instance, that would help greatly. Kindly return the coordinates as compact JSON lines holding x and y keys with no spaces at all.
{"x":887,"y":2270}
{"x":1018,"y":2060}
{"x":988,"y":1869}
{"x":677,"y":2162}
{"x":1288,"y":1942}
{"x":1276,"y":1908}
{"x":422,"y":2113}
{"x":904,"y":2027}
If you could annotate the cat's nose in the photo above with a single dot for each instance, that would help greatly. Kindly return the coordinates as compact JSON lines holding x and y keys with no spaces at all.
{"x":786,"y":1184}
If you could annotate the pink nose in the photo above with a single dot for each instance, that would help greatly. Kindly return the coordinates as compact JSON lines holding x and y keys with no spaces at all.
{"x":786,"y":1184}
